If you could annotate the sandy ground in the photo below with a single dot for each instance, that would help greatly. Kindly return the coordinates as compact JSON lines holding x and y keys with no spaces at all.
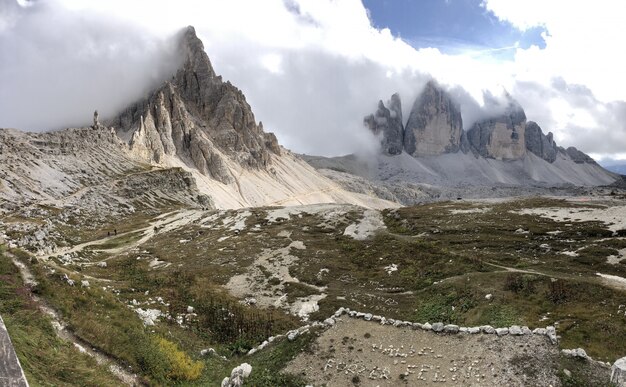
{"x":365,"y":353}
{"x":614,"y":216}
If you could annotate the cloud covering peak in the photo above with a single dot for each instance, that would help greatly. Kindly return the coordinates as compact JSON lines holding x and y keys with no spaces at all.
{"x":311,"y":69}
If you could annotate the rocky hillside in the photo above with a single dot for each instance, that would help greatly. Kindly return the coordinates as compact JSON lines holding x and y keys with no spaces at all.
{"x":198,"y":117}
{"x":194,"y":127}
{"x":431,"y":156}
{"x":435,"y":127}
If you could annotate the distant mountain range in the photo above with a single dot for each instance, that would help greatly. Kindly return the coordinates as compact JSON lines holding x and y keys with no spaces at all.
{"x":194,"y":139}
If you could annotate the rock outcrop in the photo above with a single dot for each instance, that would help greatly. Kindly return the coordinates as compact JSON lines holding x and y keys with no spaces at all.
{"x":540,"y":144}
{"x":578,"y":156}
{"x":618,"y":372}
{"x":387,"y":123}
{"x":434,"y":125}
{"x":501,"y":137}
{"x":199,"y":118}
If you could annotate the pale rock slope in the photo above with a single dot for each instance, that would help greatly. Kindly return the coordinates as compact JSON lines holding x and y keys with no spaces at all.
{"x":204,"y":125}
{"x":192,"y":140}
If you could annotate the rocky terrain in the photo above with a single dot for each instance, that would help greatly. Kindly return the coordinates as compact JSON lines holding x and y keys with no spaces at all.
{"x":257,"y":286}
{"x":178,"y":244}
{"x":432,"y":156}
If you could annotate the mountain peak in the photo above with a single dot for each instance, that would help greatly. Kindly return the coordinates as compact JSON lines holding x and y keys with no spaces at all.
{"x":196,"y":59}
{"x":198,"y":118}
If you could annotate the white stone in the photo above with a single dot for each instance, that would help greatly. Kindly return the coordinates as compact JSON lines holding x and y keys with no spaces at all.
{"x":502,"y":331}
{"x":437,"y":327}
{"x":577,"y":353}
{"x":515,"y":330}
{"x":489,"y":296}
{"x":618,"y":372}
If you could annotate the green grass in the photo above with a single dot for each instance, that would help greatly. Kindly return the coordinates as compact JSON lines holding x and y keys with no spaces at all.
{"x":444,"y":273}
{"x":46,"y":359}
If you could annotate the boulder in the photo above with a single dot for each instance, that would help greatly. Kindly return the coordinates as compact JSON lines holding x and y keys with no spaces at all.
{"x":237,"y":376}
{"x":502,"y":331}
{"x":515,"y":330}
{"x":618,"y":372}
{"x":488,"y":329}
{"x":437,"y":327}
{"x":551,"y":333}
{"x":576,"y":353}
{"x":451,"y":328}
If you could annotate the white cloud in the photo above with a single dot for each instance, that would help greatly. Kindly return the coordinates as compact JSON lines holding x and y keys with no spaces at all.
{"x":311,"y":69}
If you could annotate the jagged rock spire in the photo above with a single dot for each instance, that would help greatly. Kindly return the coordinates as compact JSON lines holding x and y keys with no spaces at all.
{"x":387,"y":123}
{"x":199,"y":118}
{"x":501,"y":137}
{"x":435,"y":125}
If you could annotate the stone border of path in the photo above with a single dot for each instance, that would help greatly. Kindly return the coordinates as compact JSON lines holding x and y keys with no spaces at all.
{"x":11,"y":372}
{"x":618,"y":374}
{"x":514,"y":330}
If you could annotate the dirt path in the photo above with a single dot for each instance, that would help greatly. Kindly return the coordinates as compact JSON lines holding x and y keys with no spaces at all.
{"x":611,"y":281}
{"x":165,"y":222}
{"x":60,"y":327}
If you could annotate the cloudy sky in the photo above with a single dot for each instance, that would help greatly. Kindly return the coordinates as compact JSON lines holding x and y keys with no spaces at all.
{"x":311,"y":69}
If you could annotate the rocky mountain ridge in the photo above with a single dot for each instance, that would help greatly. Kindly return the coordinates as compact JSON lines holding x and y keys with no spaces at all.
{"x":194,"y":129}
{"x":199,"y":118}
{"x":435,"y":127}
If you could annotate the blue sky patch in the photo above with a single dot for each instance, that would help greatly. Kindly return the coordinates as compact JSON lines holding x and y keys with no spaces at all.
{"x":452,"y":26}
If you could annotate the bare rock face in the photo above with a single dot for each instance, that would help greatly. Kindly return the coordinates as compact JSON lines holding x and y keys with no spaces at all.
{"x":502,"y":137}
{"x":198,"y":118}
{"x":540,"y":144}
{"x":435,"y":125}
{"x":576,"y":155}
{"x":387,"y":122}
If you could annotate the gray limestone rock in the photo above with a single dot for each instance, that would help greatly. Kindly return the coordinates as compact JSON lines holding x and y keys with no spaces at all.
{"x":387,"y":123}
{"x":576,"y":353}
{"x":199,"y":118}
{"x":451,"y":328}
{"x":502,"y":331}
{"x":577,"y":156}
{"x":437,"y":327}
{"x":515,"y":330}
{"x":540,"y":144}
{"x":435,"y":125}
{"x":501,"y":137}
{"x":618,"y":372}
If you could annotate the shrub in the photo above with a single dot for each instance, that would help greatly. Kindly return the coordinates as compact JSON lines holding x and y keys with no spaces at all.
{"x":182,"y":367}
{"x":520,"y":283}
{"x":558,"y":291}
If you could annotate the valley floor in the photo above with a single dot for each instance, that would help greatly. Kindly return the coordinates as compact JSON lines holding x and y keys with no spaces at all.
{"x":154,"y":288}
